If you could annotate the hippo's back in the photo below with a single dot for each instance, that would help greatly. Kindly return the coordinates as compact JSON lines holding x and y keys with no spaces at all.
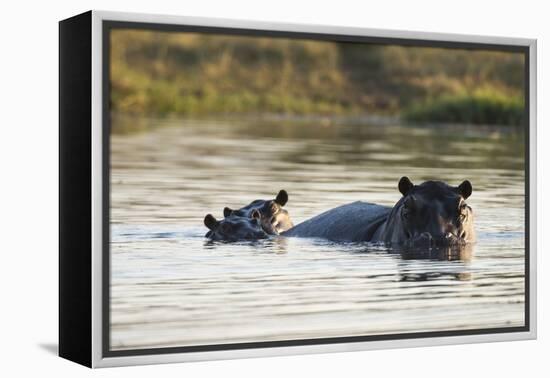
{"x":356,"y":221}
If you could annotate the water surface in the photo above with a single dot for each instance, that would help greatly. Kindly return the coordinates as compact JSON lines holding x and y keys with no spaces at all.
{"x":171,"y":287}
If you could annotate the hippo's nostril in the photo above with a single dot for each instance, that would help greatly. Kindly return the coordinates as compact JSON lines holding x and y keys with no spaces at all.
{"x":423,"y":240}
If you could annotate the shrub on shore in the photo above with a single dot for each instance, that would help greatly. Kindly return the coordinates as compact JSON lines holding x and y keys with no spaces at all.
{"x":481,"y":107}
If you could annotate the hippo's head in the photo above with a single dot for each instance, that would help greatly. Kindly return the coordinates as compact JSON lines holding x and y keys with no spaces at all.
{"x":235,"y":228}
{"x":273,"y":218}
{"x":432,"y":213}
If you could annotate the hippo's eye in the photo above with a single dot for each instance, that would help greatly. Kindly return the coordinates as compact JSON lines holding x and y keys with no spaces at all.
{"x":274,"y":207}
{"x":463,"y":212}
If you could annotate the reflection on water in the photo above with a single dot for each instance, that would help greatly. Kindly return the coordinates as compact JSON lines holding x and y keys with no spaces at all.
{"x":171,"y":287}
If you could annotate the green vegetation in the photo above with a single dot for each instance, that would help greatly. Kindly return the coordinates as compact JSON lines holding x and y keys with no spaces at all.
{"x":480,"y":107}
{"x":193,"y":74}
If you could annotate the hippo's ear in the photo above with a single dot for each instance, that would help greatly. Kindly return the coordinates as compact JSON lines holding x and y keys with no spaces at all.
{"x":465,"y":189}
{"x":282,"y":197}
{"x":210,"y":222}
{"x":255,"y":214}
{"x":405,"y":185}
{"x":227,"y":212}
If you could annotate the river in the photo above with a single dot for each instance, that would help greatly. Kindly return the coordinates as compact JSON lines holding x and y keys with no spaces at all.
{"x":171,"y":287}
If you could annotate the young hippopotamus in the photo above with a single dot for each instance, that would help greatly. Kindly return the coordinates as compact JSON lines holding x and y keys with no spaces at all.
{"x":430,"y":214}
{"x":235,"y":228}
{"x":273,"y":218}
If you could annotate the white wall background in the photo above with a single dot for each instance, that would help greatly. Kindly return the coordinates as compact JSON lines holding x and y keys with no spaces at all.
{"x":28,"y":211}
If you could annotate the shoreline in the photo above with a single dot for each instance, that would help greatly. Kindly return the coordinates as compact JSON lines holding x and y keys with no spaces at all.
{"x":124,"y":123}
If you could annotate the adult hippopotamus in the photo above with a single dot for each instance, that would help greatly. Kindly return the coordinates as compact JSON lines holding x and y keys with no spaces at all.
{"x":432,"y":213}
{"x":235,"y":228}
{"x":273,"y":218}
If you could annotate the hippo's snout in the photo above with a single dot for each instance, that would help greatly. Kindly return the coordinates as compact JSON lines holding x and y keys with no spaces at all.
{"x":452,"y":239}
{"x":426,"y":240}
{"x":423,"y":240}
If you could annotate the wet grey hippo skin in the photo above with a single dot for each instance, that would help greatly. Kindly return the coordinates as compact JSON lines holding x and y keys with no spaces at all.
{"x":357,"y":221}
{"x":432,"y":213}
{"x":273,"y":217}
{"x":235,"y":228}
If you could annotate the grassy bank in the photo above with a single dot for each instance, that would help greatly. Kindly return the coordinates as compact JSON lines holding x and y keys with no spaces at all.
{"x":481,"y":107}
{"x":191,"y":74}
